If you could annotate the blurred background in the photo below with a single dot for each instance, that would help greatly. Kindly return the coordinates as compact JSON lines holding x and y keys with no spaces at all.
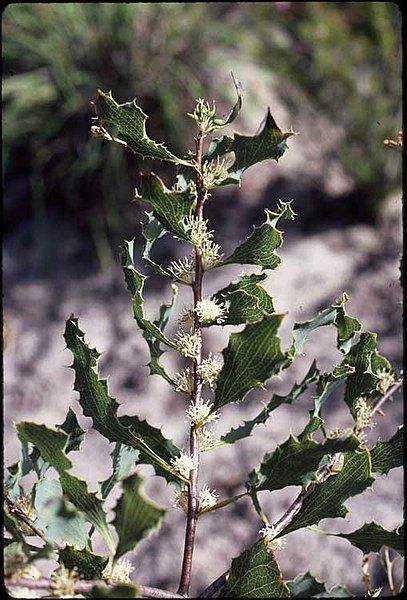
{"x":332,"y":71}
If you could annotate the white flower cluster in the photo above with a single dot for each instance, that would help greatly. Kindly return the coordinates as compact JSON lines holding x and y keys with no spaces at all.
{"x":210,"y":311}
{"x":387,"y":379}
{"x":269,"y":533}
{"x":180,"y":499}
{"x":214,"y":171}
{"x":363,"y":418}
{"x":206,"y":439}
{"x":199,"y":412}
{"x":118,"y":571}
{"x":184,"y":463}
{"x":184,"y":381}
{"x":63,"y":582}
{"x":183,"y":269}
{"x":197,"y":230}
{"x":210,"y":255}
{"x":204,"y":115}
{"x":207,"y":498}
{"x":210,"y":368}
{"x":188,"y":344}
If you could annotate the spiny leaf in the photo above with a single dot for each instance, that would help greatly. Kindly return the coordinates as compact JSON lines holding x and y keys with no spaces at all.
{"x":269,"y":143}
{"x":259,"y":248}
{"x":130,"y":122}
{"x":251,"y":357}
{"x":123,"y":458}
{"x":255,"y":574}
{"x":89,"y":566}
{"x":57,"y":517}
{"x":372,"y":536}
{"x":334,"y":315}
{"x":96,"y":403}
{"x":327,"y":384}
{"x":136,"y":516}
{"x":388,"y":455}
{"x":326,"y":500}
{"x":306,"y":586}
{"x":51,"y":444}
{"x":246,"y":429}
{"x":75,"y":433}
{"x":296,"y":461}
{"x":153,"y":231}
{"x":220,"y":123}
{"x":170,"y":207}
{"x":246,"y":299}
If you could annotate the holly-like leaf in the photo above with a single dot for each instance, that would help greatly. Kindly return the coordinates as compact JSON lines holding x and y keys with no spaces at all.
{"x":126,"y":124}
{"x":51,"y":444}
{"x":136,"y":516}
{"x":220,"y":123}
{"x":75,"y":433}
{"x":123,"y":459}
{"x":170,"y":207}
{"x":372,"y":536}
{"x":56,"y":517}
{"x":88,"y":565}
{"x":255,"y":574}
{"x":306,"y":586}
{"x":388,"y":455}
{"x":246,"y":429}
{"x":296,"y":461}
{"x":251,"y":357}
{"x":96,"y":403}
{"x":326,"y":500}
{"x":334,"y":315}
{"x":246,"y":299}
{"x":268,"y":143}
{"x":327,"y":384}
{"x":259,"y":248}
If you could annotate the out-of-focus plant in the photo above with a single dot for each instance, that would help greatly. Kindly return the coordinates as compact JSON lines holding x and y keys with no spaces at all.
{"x":329,"y":467}
{"x":346,"y":59}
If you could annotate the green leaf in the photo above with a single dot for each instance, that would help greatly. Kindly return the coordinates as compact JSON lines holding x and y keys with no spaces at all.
{"x":255,"y":574}
{"x":136,"y":516}
{"x":170,"y":207}
{"x":296,"y":461}
{"x":153,"y":231}
{"x":246,"y":299}
{"x":326,"y":500}
{"x":259,"y":248}
{"x":28,"y":462}
{"x":306,"y":586}
{"x":96,"y":403}
{"x":334,"y":315}
{"x":251,"y":357}
{"x":327,"y":384}
{"x":56,"y":517}
{"x":129,"y":121}
{"x":388,"y":455}
{"x":124,"y":590}
{"x":123,"y":458}
{"x":76,"y":434}
{"x":269,"y":143}
{"x":220,"y":123}
{"x":89,"y":566}
{"x":51,"y":443}
{"x":371,"y":537}
{"x":246,"y":429}
{"x":338,"y":591}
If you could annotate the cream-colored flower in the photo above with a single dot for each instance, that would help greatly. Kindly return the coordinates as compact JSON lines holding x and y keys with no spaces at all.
{"x":199,"y":412}
{"x":204,"y":115}
{"x":336,"y":463}
{"x":183,"y":269}
{"x":215,"y":171}
{"x":271,"y":543}
{"x":184,"y":381}
{"x":188,"y":344}
{"x":197,"y":230}
{"x":210,"y":311}
{"x":363,"y":416}
{"x":184,"y":463}
{"x":210,"y":368}
{"x":63,"y":582}
{"x":180,"y":499}
{"x":187,"y":316}
{"x":207,"y":498}
{"x":210,"y":255}
{"x":206,"y":439}
{"x":118,"y":571}
{"x":387,"y":379}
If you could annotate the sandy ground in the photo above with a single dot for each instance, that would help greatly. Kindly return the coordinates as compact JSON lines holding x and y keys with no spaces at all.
{"x":361,"y":260}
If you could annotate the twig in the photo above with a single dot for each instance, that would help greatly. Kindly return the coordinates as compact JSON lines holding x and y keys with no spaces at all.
{"x":387,"y":395}
{"x":192,"y":515}
{"x":16,"y":512}
{"x":86,"y":586}
{"x":215,"y":586}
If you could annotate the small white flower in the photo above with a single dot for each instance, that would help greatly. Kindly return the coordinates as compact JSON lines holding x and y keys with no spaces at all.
{"x":180,"y":499}
{"x":387,"y":379}
{"x":363,"y":418}
{"x":199,"y":412}
{"x":210,"y":311}
{"x":183,"y":269}
{"x":210,"y":368}
{"x":207,"y":498}
{"x":118,"y":571}
{"x":198,"y":231}
{"x":206,"y":439}
{"x":184,"y":381}
{"x":188,"y":344}
{"x":187,"y":316}
{"x":210,"y":255}
{"x":269,"y":533}
{"x":184,"y":463}
{"x":63,"y":582}
{"x":15,"y":565}
{"x":336,"y":463}
{"x":214,"y":171}
{"x":203,"y":115}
